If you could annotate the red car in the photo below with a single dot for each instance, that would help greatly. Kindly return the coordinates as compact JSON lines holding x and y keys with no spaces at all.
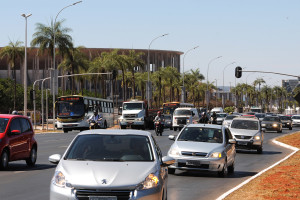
{"x":16,"y":140}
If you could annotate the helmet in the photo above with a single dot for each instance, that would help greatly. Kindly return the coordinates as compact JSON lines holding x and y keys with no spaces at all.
{"x":158,"y":113}
{"x":95,"y":111}
{"x":14,"y":112}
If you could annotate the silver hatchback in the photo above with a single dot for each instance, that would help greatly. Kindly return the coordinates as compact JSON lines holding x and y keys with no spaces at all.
{"x":203,"y":147}
{"x":110,"y":165}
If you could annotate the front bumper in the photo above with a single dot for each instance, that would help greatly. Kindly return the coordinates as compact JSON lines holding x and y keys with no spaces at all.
{"x":296,"y":123}
{"x":286,"y":125}
{"x":203,"y":164}
{"x":248,"y":144}
{"x":59,"y":193}
{"x":132,"y":122}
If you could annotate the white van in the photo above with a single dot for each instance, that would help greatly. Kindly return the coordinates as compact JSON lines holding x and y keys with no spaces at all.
{"x":184,"y":116}
{"x":217,"y":110}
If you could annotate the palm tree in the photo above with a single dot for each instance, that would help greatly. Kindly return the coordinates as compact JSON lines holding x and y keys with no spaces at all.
{"x":13,"y":53}
{"x":156,"y":78}
{"x":76,"y":62}
{"x":193,"y":80}
{"x":134,"y":60}
{"x":44,"y":37}
{"x":258,"y":82}
{"x":141,"y":79}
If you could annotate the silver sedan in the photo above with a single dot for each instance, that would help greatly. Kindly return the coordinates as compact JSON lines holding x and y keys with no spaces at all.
{"x":203,"y":147}
{"x":110,"y":165}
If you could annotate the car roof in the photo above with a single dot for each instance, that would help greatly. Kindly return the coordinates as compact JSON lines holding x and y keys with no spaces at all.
{"x":244,"y":118}
{"x":185,"y":108}
{"x":11,"y":116}
{"x":205,"y":125}
{"x":115,"y":132}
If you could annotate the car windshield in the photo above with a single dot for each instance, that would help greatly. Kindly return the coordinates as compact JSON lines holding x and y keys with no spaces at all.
{"x":285,"y":118}
{"x":98,"y":147}
{"x":167,"y":117}
{"x":260,"y":115}
{"x":132,"y":106}
{"x":244,"y":124}
{"x":221,"y":115}
{"x":201,"y":134}
{"x":182,"y":112}
{"x":230,"y":117}
{"x":296,"y":117}
{"x":3,"y":124}
{"x":271,"y":119}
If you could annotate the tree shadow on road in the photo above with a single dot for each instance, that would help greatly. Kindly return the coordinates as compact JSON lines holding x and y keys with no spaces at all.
{"x":23,"y":167}
{"x":236,"y":174}
{"x":255,"y":152}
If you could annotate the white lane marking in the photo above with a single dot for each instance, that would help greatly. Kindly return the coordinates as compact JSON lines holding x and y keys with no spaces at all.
{"x":263,"y":171}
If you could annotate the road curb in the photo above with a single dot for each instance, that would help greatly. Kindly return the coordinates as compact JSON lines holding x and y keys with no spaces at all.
{"x":295,"y":150}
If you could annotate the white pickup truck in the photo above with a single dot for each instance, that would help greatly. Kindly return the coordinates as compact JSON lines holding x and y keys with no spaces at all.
{"x":134,"y":114}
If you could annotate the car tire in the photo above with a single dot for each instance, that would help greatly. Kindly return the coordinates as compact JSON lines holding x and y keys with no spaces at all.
{"x":171,"y":171}
{"x":231,"y":168}
{"x":175,"y":129}
{"x":260,"y":150}
{"x":4,"y":160}
{"x":224,"y":171}
{"x":279,"y":131}
{"x":65,"y":130}
{"x":32,"y":159}
{"x":123,"y":127}
{"x":291,"y":128}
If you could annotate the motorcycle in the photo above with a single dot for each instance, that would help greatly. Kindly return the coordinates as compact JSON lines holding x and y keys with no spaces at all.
{"x":158,"y":127}
{"x":95,"y":124}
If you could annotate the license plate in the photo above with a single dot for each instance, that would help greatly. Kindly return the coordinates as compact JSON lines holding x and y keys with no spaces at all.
{"x":103,"y":198}
{"x":242,"y":143}
{"x":193,"y":163}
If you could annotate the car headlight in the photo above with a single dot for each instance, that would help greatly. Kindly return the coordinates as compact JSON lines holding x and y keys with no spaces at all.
{"x":257,"y":137}
{"x":288,"y":123}
{"x":263,"y":125}
{"x":225,"y":123}
{"x":174,"y":152}
{"x":150,"y":181}
{"x":187,"y":121}
{"x":216,"y":155}
{"x":275,"y":125}
{"x":59,"y":179}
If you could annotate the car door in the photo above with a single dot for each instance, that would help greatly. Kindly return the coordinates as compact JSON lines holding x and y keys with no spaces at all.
{"x":230,"y":148}
{"x":17,"y":142}
{"x":27,"y":133}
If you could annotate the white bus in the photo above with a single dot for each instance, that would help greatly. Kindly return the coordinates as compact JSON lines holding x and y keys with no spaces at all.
{"x":74,"y":111}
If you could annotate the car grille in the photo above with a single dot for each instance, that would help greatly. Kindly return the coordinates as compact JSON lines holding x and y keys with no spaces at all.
{"x":243,"y":137}
{"x":203,"y":166}
{"x":181,"y":120}
{"x":82,"y":194}
{"x":188,"y":153}
{"x":130,"y":116}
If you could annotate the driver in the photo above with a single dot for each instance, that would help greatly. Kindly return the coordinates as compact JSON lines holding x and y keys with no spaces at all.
{"x":158,"y":116}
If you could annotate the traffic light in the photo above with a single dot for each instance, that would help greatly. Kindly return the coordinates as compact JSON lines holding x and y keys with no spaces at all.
{"x":238,"y":72}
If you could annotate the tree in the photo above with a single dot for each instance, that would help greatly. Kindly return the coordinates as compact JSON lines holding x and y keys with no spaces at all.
{"x":258,"y":82}
{"x":44,"y":37}
{"x":13,"y":52}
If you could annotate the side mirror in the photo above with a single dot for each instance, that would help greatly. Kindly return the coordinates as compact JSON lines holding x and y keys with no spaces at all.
{"x":167,"y":160}
{"x":55,"y":158}
{"x":232,"y":141}
{"x":15,"y":132}
{"x":172,"y":137}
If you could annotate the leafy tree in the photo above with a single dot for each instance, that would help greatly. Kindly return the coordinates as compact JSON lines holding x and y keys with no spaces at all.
{"x":14,"y":52}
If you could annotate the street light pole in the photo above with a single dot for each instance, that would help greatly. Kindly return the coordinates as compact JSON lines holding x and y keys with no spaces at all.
{"x":183,"y":88}
{"x":25,"y":65}
{"x":223,"y":99}
{"x":55,"y":73}
{"x":206,"y":94}
{"x":216,"y":92}
{"x":148,"y":66}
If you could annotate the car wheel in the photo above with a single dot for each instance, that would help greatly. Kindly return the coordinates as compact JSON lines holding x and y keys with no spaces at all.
{"x":32,"y":159}
{"x":279,"y":131}
{"x":290,"y":128}
{"x":171,"y":171}
{"x":4,"y":160}
{"x":171,"y":128}
{"x":65,"y":130}
{"x":175,"y":129}
{"x":224,"y":171}
{"x":260,"y":150}
{"x":231,"y":168}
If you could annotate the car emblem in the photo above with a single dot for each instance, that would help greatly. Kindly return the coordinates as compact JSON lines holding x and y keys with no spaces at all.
{"x":242,"y":137}
{"x":104,"y":181}
{"x":193,"y":154}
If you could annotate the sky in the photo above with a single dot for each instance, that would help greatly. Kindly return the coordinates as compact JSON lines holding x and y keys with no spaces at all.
{"x":261,"y":35}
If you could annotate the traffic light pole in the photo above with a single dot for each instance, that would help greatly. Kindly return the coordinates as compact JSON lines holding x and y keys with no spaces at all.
{"x":273,"y":73}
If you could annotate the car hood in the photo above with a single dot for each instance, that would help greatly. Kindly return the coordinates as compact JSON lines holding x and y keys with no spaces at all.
{"x":95,"y":174}
{"x":245,"y":132}
{"x":197,"y":146}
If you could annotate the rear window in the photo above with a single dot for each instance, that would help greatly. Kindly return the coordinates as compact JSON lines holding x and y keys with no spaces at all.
{"x":244,"y":124}
{"x":230,"y":117}
{"x":182,"y":112}
{"x":271,"y":119}
{"x":201,"y":134}
{"x":3,"y":124}
{"x":285,"y":118}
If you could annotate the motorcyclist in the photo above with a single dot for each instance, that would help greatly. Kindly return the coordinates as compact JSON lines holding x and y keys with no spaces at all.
{"x":203,"y":119}
{"x":96,"y":118}
{"x":159,"y":119}
{"x":214,"y":118}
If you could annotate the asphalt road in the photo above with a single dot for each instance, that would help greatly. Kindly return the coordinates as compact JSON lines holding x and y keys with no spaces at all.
{"x":21,"y":182}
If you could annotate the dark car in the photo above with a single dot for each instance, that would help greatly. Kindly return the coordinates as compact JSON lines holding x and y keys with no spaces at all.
{"x":168,"y":121}
{"x":286,"y":121}
{"x":17,"y":140}
{"x":272,"y":123}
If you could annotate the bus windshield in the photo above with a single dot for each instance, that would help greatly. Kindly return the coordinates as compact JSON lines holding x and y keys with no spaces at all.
{"x":70,"y":108}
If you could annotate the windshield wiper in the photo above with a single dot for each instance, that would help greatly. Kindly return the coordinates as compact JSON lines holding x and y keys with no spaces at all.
{"x":111,"y":159}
